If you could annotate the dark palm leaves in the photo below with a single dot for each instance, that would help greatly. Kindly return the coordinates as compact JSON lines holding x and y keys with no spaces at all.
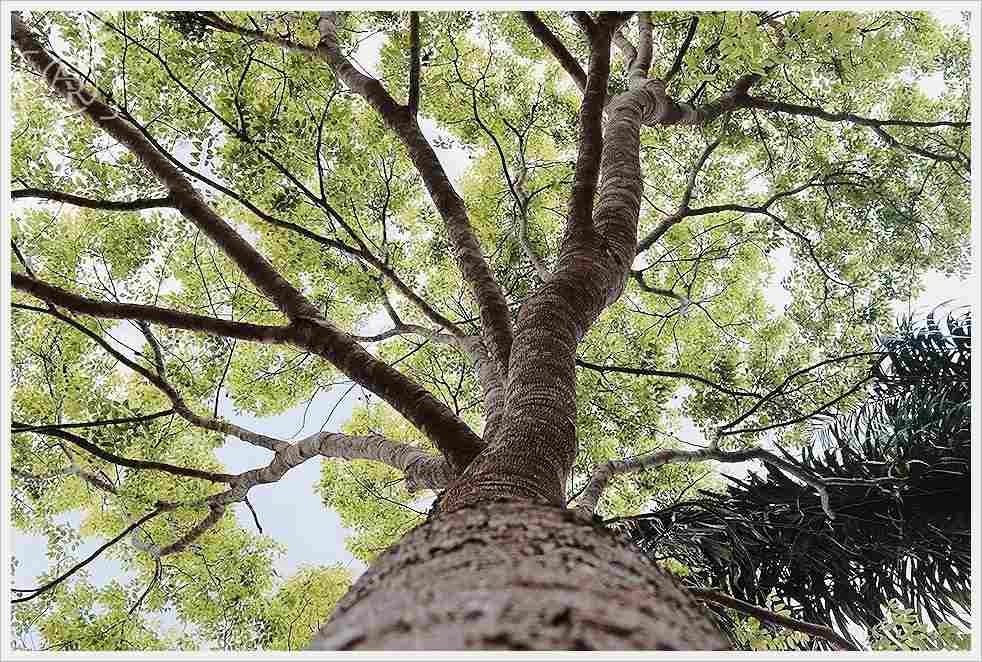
{"x":899,"y":482}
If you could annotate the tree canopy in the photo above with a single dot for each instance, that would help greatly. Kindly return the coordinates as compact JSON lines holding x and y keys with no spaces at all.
{"x":776,"y":236}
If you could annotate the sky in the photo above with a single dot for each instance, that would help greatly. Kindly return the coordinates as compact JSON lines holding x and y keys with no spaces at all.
{"x":290,"y":511}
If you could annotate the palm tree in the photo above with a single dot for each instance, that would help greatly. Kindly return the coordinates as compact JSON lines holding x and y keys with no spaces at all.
{"x":899,"y":481}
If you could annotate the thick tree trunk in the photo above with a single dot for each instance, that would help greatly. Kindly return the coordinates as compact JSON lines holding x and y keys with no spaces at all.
{"x":515,"y":575}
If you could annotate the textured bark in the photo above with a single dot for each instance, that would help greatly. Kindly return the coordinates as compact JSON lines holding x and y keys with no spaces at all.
{"x":515,"y":575}
{"x":422,"y":469}
{"x":450,"y":434}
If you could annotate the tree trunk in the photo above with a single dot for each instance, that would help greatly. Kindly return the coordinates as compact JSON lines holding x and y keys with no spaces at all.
{"x":515,"y":575}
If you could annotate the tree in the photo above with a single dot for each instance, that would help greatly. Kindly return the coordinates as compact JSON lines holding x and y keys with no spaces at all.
{"x":239,"y":195}
{"x":899,"y":479}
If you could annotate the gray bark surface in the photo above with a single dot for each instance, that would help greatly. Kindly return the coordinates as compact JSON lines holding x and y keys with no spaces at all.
{"x":515,"y":575}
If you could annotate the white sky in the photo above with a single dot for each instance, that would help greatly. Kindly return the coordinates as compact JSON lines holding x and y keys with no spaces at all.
{"x":290,"y":510}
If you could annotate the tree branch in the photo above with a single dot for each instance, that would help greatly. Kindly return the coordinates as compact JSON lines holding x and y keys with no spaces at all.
{"x":35,"y":592}
{"x":186,"y":198}
{"x":20,"y":427}
{"x":215,"y":511}
{"x":159,"y":380}
{"x":187,"y":472}
{"x":876,"y":125}
{"x":422,"y":469}
{"x":767,"y":616}
{"x":591,"y":138}
{"x":683,"y":49}
{"x":311,"y":331}
{"x":641,"y":62}
{"x":555,"y":46}
{"x":92,"y":203}
{"x":413,"y":102}
{"x":653,"y":372}
{"x":588,"y":499}
{"x":683,"y":209}
{"x":524,"y":199}
{"x":797,"y":373}
{"x":492,"y":306}
{"x":163,"y":316}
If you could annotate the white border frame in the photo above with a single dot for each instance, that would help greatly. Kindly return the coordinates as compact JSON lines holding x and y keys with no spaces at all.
{"x":973,"y":7}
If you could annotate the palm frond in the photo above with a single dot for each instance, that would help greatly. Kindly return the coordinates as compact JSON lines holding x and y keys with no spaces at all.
{"x":899,"y":476}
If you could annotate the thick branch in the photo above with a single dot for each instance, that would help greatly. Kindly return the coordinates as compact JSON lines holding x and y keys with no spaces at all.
{"x":450,"y":434}
{"x":641,"y":62}
{"x":555,"y":46}
{"x":588,"y":499}
{"x":163,"y":316}
{"x":215,"y":512}
{"x":492,"y":306}
{"x":92,"y":203}
{"x":590,"y":141}
{"x":94,"y":449}
{"x":422,"y":469}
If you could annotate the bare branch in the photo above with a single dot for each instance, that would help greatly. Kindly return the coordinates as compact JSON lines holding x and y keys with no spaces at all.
{"x":683,"y":49}
{"x":555,"y":46}
{"x":92,"y":203}
{"x":804,"y":417}
{"x":588,"y":499}
{"x":255,"y":516}
{"x":164,"y":316}
{"x":35,"y":592}
{"x":767,"y":616}
{"x":112,"y":458}
{"x":413,"y":102}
